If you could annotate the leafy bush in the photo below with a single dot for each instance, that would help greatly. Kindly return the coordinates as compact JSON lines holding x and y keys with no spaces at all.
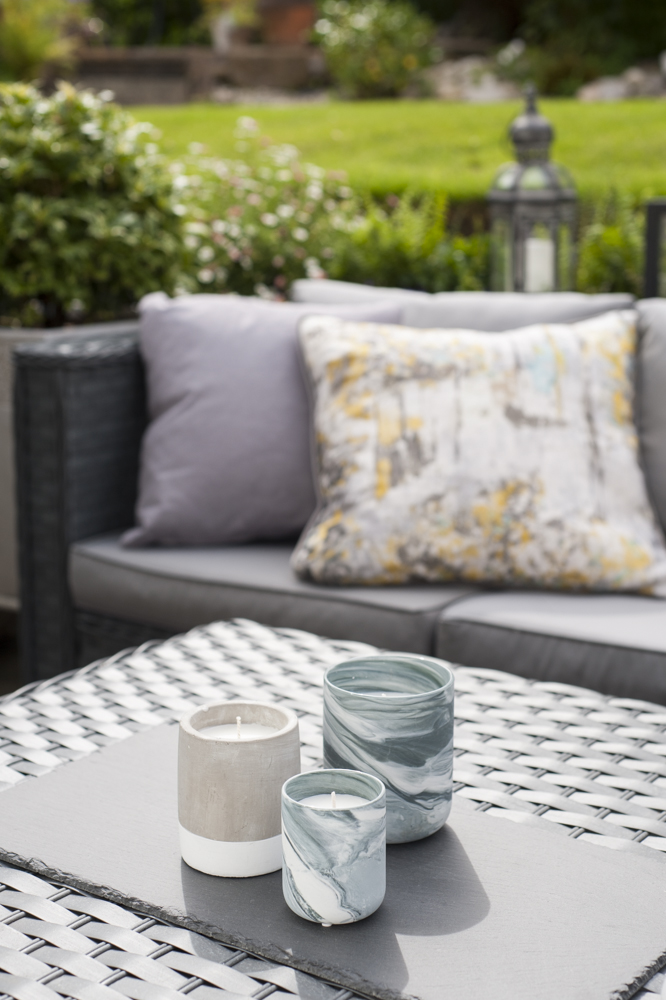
{"x":405,"y":245}
{"x":375,"y":48}
{"x":570,"y":43}
{"x":139,"y":22}
{"x":88,"y":217}
{"x":557,"y":69}
{"x":611,"y":248}
{"x":36,"y":32}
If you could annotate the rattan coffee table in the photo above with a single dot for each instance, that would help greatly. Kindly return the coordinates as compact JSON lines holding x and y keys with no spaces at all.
{"x":528,"y":751}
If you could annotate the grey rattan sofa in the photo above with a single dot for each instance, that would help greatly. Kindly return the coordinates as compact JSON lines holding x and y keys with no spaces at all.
{"x":80,"y":414}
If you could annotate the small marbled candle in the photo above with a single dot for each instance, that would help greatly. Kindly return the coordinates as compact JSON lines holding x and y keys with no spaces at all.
{"x":391,"y":715}
{"x":333,"y":845}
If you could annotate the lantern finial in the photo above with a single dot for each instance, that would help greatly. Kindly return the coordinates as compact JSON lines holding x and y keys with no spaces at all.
{"x":530,"y":99}
{"x":530,"y":132}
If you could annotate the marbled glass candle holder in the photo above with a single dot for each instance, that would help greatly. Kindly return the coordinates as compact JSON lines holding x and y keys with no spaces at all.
{"x":233,"y":759}
{"x":334,"y":868}
{"x":391,"y":715}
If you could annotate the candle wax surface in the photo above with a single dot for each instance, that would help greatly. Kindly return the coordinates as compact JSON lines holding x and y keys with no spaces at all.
{"x":342,"y":801}
{"x":229,"y":731}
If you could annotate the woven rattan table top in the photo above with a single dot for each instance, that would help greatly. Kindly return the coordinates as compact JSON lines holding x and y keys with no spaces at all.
{"x":529,"y":751}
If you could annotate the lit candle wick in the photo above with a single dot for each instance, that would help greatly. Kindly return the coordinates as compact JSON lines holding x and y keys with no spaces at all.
{"x":333,"y":806}
{"x":238,"y":724}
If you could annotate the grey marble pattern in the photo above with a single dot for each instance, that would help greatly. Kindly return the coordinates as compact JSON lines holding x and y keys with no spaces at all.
{"x":391,"y":715}
{"x":334,"y":860}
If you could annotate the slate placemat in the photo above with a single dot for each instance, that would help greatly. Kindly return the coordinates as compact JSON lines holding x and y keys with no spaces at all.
{"x":484,"y":908}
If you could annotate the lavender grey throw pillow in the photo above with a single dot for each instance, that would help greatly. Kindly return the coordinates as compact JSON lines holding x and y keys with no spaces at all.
{"x":226,"y":456}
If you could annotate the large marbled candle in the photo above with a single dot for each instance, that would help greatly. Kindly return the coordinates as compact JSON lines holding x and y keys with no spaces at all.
{"x":391,"y":715}
{"x":333,"y":846}
{"x":233,"y":759}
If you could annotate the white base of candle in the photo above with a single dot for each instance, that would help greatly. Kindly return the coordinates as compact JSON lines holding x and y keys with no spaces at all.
{"x":229,"y":858}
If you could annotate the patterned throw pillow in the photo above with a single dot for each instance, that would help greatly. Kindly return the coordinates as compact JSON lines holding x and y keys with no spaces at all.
{"x":505,"y":458}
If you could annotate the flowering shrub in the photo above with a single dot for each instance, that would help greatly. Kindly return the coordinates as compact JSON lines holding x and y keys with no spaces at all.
{"x":374,"y":48}
{"x":88,"y":218}
{"x":257,"y":224}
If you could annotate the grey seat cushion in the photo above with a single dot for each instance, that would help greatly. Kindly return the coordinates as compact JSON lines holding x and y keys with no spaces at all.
{"x":612,"y":643}
{"x":177,"y":588}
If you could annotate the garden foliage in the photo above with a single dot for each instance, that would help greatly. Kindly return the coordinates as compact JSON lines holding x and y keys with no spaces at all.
{"x":92,"y":218}
{"x":404,"y":244}
{"x":611,"y":248}
{"x":374,"y":48}
{"x":89,"y":220}
{"x":573,"y":41}
{"x":259,"y":223}
{"x":37,"y":32}
{"x":140,"y":22}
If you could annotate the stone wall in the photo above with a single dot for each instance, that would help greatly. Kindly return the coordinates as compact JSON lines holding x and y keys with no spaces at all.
{"x":171,"y":75}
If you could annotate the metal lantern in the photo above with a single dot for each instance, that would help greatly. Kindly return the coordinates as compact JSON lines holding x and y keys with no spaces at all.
{"x":532,"y":210}
{"x":655,"y":248}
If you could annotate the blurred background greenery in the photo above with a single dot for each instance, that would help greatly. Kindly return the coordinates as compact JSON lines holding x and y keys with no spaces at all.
{"x":568,"y":42}
{"x":417,"y":169}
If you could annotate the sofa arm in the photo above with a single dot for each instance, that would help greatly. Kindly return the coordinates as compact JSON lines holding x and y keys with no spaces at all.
{"x":79,"y":415}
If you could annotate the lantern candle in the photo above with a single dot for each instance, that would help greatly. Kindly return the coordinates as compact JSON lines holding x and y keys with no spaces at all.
{"x":539,"y":264}
{"x":233,"y":759}
{"x":334,"y":845}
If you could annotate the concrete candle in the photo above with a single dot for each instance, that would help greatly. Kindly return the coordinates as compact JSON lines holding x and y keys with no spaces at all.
{"x":391,"y":715}
{"x":233,"y":759}
{"x":334,"y":845}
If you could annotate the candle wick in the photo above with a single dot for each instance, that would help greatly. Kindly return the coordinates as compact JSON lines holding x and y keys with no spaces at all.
{"x":238,"y":725}
{"x":333,"y":805}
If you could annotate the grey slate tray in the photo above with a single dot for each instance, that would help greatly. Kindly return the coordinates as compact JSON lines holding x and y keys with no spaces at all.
{"x":485,"y":908}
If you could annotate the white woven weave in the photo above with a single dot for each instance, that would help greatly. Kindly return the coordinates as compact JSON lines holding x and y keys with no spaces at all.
{"x":524,"y":749}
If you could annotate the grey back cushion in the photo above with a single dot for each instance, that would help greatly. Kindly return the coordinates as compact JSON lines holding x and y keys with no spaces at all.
{"x":226,"y":456}
{"x":651,"y":399}
{"x":321,"y":290}
{"x":470,"y":310}
{"x":498,"y":311}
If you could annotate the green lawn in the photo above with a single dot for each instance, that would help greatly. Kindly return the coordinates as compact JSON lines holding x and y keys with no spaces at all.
{"x":389,"y":145}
